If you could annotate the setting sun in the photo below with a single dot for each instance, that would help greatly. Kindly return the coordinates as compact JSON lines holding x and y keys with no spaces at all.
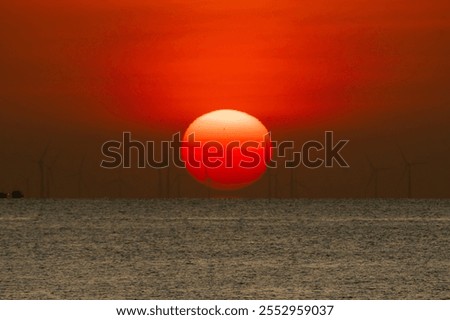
{"x":226,"y":149}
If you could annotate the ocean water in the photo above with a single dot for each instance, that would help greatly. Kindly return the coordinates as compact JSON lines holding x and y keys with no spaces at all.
{"x":224,"y":249}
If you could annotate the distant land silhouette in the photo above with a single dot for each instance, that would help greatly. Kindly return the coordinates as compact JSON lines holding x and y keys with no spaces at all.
{"x":16,"y":194}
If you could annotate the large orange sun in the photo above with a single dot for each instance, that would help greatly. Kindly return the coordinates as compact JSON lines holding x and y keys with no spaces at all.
{"x":226,"y":149}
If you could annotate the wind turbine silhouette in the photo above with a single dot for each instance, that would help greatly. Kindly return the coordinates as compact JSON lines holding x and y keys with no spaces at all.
{"x":168,"y":184}
{"x":408,"y":165}
{"x":50,"y":177}
{"x":272,"y":183}
{"x":164,"y":159}
{"x":168,"y":181}
{"x":160,"y":183}
{"x":79,"y":174}
{"x":294,"y":183}
{"x":374,"y":176}
{"x":46,"y":177}
{"x":208,"y":184}
{"x":41,"y":165}
{"x":177,"y":183}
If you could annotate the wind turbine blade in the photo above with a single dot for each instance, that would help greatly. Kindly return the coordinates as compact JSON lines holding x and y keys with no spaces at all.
{"x":370,"y":162}
{"x":55,"y":159}
{"x":402,"y":154}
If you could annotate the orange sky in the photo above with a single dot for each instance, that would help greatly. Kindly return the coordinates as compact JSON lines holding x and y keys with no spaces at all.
{"x":366,"y":68}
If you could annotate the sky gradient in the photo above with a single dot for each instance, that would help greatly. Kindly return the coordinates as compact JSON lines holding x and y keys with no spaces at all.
{"x":76,"y":74}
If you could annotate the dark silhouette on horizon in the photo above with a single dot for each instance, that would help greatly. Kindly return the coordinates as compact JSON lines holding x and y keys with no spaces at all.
{"x":408,"y":165}
{"x":46,"y":177}
{"x":272,"y":183}
{"x":374,"y":176}
{"x":81,"y":185}
{"x":17,"y":194}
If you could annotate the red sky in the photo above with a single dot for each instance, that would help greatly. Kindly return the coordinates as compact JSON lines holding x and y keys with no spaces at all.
{"x":373,"y":71}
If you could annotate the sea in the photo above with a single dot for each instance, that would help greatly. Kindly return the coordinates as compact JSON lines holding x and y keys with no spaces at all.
{"x":224,"y":249}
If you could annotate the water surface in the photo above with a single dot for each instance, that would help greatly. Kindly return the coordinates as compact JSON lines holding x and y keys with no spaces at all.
{"x":224,"y":249}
